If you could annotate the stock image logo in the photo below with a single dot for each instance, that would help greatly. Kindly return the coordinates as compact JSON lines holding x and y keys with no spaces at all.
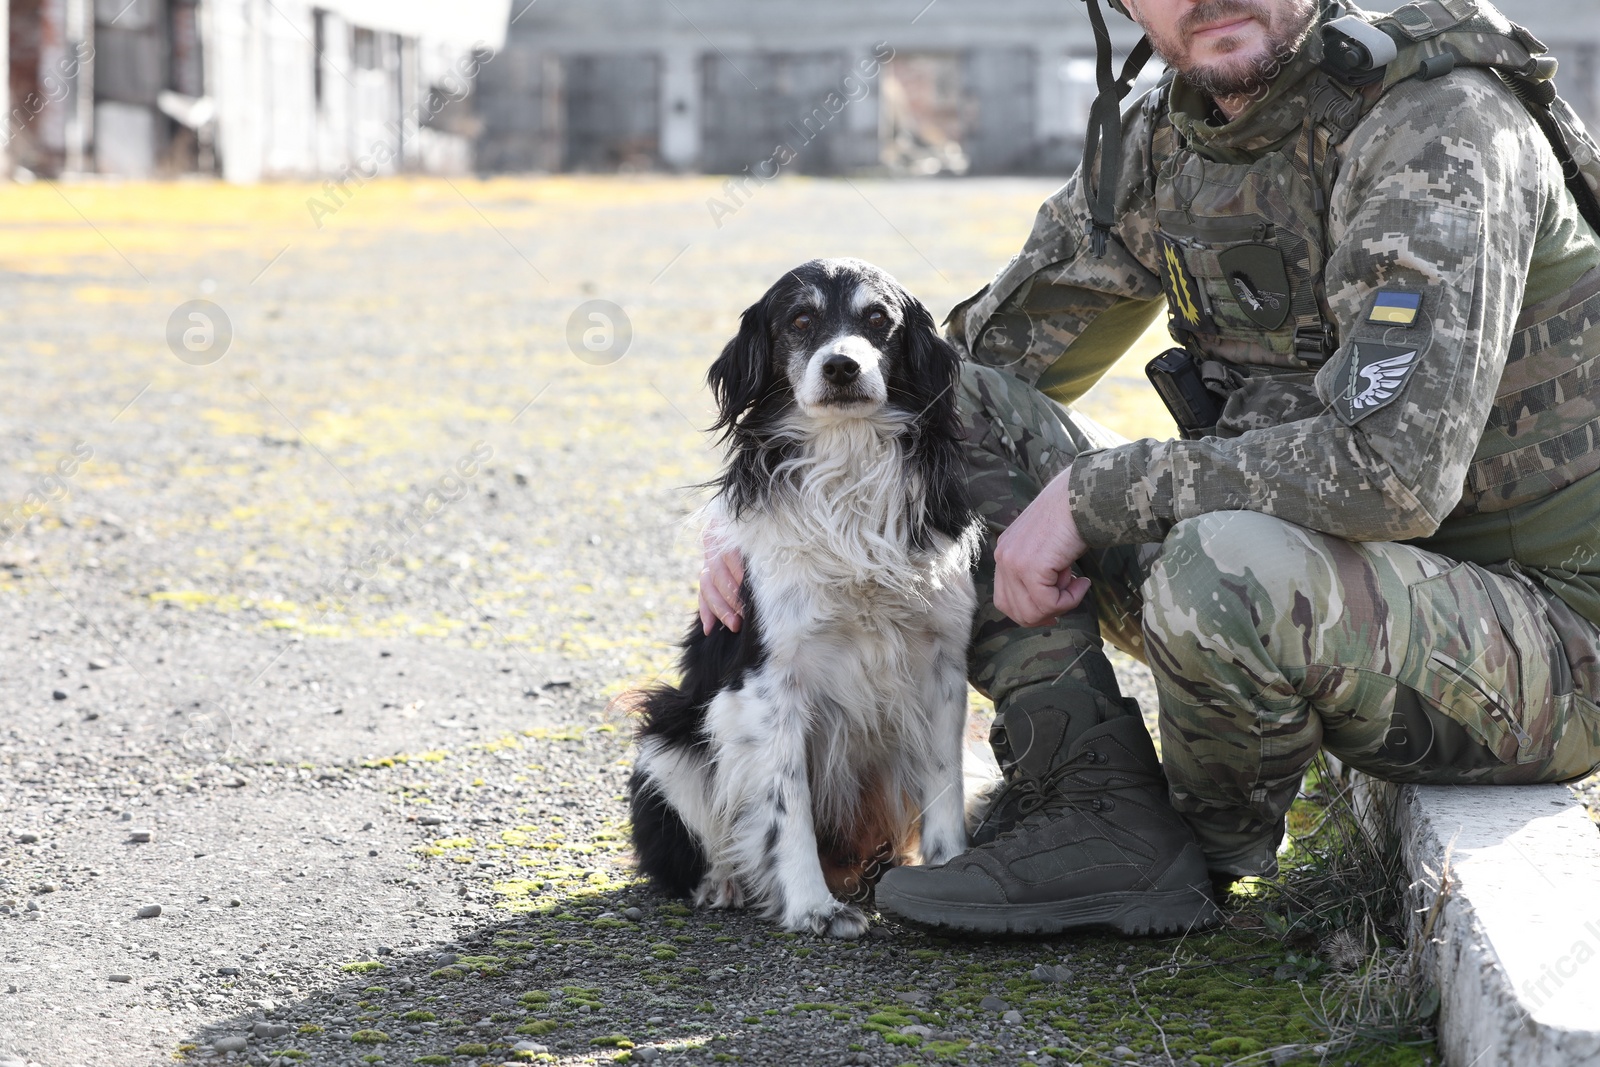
{"x":207,"y":732}
{"x":199,"y":332}
{"x":599,"y":332}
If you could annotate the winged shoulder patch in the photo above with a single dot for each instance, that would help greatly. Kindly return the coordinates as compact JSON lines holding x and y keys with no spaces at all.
{"x":1377,"y":375}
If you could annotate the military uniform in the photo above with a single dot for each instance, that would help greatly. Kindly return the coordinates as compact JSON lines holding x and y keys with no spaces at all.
{"x":1389,"y":544}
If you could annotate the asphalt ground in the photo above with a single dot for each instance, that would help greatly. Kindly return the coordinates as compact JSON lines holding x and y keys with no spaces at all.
{"x":313,"y":609}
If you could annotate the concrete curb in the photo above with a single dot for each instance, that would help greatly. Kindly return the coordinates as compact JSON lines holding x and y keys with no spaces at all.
{"x":1513,"y":940}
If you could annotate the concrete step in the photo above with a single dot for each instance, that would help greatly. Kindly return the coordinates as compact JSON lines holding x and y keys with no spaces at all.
{"x":1514,"y":935}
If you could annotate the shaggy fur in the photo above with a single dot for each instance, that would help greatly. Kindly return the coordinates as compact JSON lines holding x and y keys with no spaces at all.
{"x":824,"y":739}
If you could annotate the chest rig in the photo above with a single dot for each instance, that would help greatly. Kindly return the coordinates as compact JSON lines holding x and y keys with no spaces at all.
{"x":1243,"y":238}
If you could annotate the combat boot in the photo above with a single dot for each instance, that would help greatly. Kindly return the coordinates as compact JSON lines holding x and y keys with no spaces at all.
{"x":1032,"y":733}
{"x":1103,"y":848}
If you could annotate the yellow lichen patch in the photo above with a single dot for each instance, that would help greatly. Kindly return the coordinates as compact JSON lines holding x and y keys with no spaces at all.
{"x":106,"y":294}
{"x":189,"y":598}
{"x":545,"y":733}
{"x":400,"y":758}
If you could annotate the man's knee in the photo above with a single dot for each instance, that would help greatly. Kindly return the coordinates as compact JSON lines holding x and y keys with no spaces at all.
{"x":1216,"y":571}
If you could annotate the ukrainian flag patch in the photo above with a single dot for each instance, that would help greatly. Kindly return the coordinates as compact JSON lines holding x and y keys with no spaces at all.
{"x":1396,"y":308}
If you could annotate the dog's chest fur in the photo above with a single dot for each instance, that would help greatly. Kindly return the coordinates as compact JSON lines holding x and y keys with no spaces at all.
{"x":852,"y":613}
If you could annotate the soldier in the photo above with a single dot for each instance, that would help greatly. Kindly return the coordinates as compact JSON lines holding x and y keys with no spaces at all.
{"x":1376,"y":243}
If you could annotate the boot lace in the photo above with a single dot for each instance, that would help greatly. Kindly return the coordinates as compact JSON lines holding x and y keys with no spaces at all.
{"x":1057,"y":793}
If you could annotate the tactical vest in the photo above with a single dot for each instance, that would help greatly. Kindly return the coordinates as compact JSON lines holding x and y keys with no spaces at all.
{"x":1244,"y":247}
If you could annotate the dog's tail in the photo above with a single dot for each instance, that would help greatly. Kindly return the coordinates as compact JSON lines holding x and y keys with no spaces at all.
{"x":667,"y":852}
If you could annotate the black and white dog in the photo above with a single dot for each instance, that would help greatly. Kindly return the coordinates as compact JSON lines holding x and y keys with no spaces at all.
{"x":823,"y":740}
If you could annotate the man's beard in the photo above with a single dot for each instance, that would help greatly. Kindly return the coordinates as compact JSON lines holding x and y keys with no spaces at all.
{"x":1231,"y":75}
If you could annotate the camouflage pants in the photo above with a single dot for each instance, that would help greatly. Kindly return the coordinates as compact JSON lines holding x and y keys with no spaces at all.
{"x":1269,"y":642}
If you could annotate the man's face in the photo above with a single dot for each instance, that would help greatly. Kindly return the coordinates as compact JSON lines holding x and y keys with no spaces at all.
{"x":1225,"y":47}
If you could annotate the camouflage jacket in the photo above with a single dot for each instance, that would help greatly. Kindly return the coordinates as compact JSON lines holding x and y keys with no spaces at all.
{"x":1443,"y":190}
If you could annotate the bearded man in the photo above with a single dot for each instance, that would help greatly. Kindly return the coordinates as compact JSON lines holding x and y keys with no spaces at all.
{"x":1380,"y":532}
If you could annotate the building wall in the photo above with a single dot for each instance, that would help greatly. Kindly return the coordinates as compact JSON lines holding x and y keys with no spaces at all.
{"x":734,"y":78}
{"x":739,"y":81}
{"x":307,"y":87}
{"x":251,"y":88}
{"x":41,"y":79}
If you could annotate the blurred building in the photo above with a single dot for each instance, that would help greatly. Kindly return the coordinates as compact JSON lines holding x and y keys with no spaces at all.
{"x":247,"y":88}
{"x":720,"y":85}
{"x":256,"y":89}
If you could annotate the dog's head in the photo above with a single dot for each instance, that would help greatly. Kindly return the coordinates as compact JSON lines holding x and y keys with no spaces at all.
{"x":834,"y":339}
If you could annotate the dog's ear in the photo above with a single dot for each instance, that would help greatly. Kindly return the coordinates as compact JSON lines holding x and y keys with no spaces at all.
{"x":930,"y":365}
{"x":743,"y":373}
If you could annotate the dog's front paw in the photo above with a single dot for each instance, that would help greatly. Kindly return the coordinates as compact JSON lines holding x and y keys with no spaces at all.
{"x":719,"y":890}
{"x":833,"y":919}
{"x":943,"y":850}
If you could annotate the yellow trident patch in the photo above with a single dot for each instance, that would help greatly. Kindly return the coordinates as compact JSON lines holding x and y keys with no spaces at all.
{"x":1182,"y":293}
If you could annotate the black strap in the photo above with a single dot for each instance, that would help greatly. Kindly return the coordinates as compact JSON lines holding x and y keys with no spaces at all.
{"x":1105,"y":126}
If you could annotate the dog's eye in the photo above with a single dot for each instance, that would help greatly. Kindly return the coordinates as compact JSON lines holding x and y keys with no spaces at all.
{"x":877,"y":319}
{"x":800,"y":323}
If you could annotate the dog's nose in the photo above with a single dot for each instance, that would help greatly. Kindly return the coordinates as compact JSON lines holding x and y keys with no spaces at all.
{"x":840,"y":370}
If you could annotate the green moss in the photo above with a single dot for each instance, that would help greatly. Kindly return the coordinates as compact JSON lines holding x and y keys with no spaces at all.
{"x":1235,"y":1046}
{"x":947,"y":1050}
{"x":369,"y":1037}
{"x":419,"y":1017}
{"x":361,"y":967}
{"x":539,"y":1026}
{"x":472,"y":1049}
{"x":612,"y":1041}
{"x":309,"y":1028}
{"x":535,"y":996}
{"x":888,"y":1022}
{"x":486,"y":966}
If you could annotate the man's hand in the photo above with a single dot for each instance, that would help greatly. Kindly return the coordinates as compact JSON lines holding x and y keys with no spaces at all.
{"x":721,"y":576}
{"x":1033,"y":579}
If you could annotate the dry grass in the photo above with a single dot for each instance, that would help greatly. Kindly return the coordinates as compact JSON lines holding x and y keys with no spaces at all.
{"x":1341,"y":900}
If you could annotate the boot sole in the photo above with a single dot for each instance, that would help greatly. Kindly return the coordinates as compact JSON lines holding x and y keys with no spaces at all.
{"x":1134,"y":914}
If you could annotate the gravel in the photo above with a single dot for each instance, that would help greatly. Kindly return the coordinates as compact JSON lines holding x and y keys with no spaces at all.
{"x":349,"y":711}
